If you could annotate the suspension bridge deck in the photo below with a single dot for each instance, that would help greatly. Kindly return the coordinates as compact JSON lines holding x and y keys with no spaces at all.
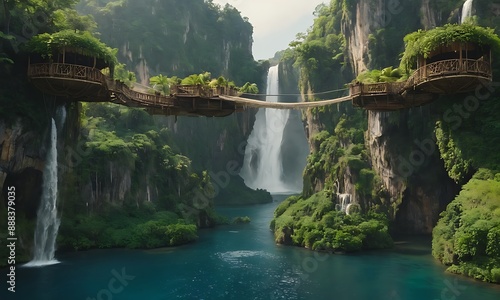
{"x":82,"y":83}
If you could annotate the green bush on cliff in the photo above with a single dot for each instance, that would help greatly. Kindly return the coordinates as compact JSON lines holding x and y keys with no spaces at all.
{"x":315,"y":224}
{"x":422,"y":42}
{"x":47,"y":45}
{"x":388,"y":74}
{"x":467,"y":237}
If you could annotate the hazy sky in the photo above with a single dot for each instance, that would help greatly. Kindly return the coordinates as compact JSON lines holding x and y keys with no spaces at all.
{"x":275,"y":22}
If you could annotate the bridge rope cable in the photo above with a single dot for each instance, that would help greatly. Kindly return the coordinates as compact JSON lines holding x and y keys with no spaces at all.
{"x":275,"y":95}
{"x":284,"y":105}
{"x":312,"y":94}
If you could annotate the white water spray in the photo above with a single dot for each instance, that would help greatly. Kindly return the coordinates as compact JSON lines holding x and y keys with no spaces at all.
{"x":47,"y":223}
{"x":344,"y":201}
{"x":263,"y":166}
{"x":466,"y":11}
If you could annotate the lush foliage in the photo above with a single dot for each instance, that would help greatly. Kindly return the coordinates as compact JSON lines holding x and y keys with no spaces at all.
{"x":47,"y":45}
{"x":237,"y":193}
{"x":388,"y":74}
{"x":315,"y":224}
{"x":242,"y":220}
{"x":422,"y":42}
{"x":128,"y":149}
{"x":162,"y":84}
{"x":467,"y":237}
{"x":125,"y":227}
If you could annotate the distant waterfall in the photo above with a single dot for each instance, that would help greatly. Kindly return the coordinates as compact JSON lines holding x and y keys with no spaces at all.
{"x":466,"y":11}
{"x":263,"y":165}
{"x":47,"y":223}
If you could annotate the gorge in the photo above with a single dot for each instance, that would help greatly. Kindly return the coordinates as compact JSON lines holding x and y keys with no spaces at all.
{"x":362,"y":179}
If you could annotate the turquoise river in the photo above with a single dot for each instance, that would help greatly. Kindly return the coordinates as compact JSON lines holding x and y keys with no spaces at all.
{"x":243,"y":262}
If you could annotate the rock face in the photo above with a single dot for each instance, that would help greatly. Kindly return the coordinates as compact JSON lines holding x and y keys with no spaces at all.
{"x":21,"y":165}
{"x":175,"y":37}
{"x":366,"y":17}
{"x":410,"y":170}
{"x":414,"y":193}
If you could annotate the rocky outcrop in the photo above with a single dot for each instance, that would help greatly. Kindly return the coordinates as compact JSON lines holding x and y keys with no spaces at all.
{"x":21,"y":164}
{"x":383,"y":159}
{"x":358,"y":24}
{"x":410,"y":170}
{"x":428,"y":15}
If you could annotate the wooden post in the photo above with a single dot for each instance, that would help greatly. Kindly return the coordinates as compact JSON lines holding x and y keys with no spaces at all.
{"x":461,"y":57}
{"x":424,"y":75}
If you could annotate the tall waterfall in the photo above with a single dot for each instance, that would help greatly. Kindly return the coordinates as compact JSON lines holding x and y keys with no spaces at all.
{"x":466,"y":11}
{"x":263,"y":162}
{"x":47,"y":223}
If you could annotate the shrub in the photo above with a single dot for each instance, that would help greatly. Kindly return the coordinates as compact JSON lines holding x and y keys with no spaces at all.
{"x":241,"y":220}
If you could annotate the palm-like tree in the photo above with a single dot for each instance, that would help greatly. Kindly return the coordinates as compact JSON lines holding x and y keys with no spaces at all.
{"x":249,"y":88}
{"x":193,"y":79}
{"x":160,"y":84}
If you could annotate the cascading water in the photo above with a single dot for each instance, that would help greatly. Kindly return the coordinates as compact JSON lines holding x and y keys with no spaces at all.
{"x":263,"y":166}
{"x":47,"y":223}
{"x":466,"y":11}
{"x":344,"y":201}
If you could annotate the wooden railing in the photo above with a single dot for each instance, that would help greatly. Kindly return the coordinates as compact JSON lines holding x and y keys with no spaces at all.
{"x":66,"y":71}
{"x":122,"y":91}
{"x":118,"y":88}
{"x":450,"y":67}
{"x":202,"y":91}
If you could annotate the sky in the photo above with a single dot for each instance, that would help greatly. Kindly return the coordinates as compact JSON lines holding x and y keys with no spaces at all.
{"x":275,"y":22}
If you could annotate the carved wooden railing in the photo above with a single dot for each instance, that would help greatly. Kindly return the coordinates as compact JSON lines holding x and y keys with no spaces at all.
{"x":450,"y":67}
{"x":120,"y":89}
{"x":66,"y":71}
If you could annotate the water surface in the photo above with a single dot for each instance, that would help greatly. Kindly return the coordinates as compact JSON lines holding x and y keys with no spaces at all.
{"x":242,"y":262}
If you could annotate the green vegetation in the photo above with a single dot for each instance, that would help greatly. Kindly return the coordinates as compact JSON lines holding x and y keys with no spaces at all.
{"x":47,"y":45}
{"x":242,"y":220}
{"x":161,"y":84}
{"x":388,"y":74}
{"x":237,"y":193}
{"x":467,"y":237}
{"x":422,"y":42}
{"x":160,"y":204}
{"x":315,"y":224}
{"x":125,"y":227}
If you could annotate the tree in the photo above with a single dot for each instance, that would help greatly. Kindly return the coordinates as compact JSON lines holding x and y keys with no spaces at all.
{"x":249,"y":88}
{"x":70,"y":19}
{"x":3,"y":56}
{"x":160,"y":84}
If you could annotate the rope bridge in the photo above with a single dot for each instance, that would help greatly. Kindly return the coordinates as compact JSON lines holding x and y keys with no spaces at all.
{"x":283,"y":105}
{"x":83,"y":83}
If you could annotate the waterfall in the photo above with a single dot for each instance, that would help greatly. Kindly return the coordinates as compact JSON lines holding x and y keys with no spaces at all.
{"x":47,"y":222}
{"x":344,"y":201}
{"x":466,"y":11}
{"x":263,"y":163}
